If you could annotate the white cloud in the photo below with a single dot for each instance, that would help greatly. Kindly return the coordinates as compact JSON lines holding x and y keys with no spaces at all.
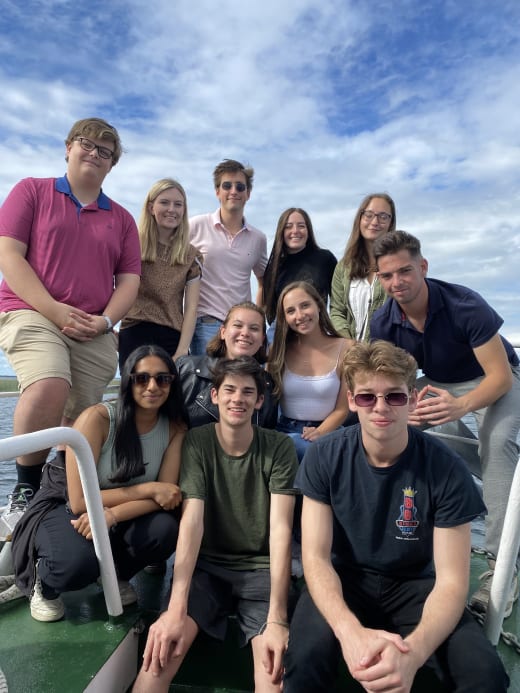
{"x":327,"y":101}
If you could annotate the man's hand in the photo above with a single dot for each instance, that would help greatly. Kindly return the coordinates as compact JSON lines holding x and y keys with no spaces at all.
{"x":386,"y":667}
{"x":165,"y":640}
{"x":76,"y":323}
{"x":436,"y":406}
{"x":274,"y":641}
{"x":365,"y":648}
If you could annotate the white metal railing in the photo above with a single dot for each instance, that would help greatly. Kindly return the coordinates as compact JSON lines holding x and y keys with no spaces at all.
{"x":41,"y":440}
{"x":507,"y":552}
{"x":505,"y":563}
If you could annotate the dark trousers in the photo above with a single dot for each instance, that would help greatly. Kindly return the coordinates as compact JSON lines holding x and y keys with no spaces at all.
{"x":466,"y":662}
{"x":146,"y":333}
{"x":67,"y":560}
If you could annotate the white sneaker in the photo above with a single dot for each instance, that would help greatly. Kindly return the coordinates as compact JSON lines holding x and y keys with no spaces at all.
{"x":10,"y":594}
{"x":18,"y":501}
{"x":42,"y":609}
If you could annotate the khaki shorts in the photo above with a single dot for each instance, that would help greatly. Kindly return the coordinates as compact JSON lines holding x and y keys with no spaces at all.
{"x":36,"y":349}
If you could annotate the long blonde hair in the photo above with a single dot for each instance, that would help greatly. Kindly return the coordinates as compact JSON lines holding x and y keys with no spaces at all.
{"x":149,"y":233}
{"x":283,"y":335}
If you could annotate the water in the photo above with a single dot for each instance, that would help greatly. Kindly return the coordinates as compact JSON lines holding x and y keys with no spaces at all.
{"x":7,"y":467}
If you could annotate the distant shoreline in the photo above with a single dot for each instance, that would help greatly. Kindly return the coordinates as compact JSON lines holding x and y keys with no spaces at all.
{"x":9,"y":385}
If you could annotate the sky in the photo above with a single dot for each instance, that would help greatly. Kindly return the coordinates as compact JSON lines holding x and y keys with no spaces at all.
{"x":328,"y":102}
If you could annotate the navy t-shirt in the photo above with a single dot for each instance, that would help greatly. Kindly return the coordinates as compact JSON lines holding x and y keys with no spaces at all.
{"x":458,"y":321}
{"x":384,"y":517}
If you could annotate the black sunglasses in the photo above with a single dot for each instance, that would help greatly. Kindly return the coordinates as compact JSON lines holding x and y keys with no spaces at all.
{"x":161,"y":379}
{"x":227,"y":185}
{"x":394,"y":399}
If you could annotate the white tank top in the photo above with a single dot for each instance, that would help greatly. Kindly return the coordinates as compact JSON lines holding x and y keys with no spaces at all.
{"x":309,"y":397}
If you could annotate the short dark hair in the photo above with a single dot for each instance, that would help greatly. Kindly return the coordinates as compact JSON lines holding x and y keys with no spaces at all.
{"x":392,"y":243}
{"x":232,"y":166}
{"x":241,"y":366}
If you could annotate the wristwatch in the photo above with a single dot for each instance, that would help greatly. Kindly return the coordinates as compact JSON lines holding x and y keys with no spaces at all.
{"x":110,"y":326}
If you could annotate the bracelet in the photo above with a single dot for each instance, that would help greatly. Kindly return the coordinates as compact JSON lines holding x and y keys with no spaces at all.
{"x":284,"y":624}
{"x":110,"y":324}
{"x":111,"y":512}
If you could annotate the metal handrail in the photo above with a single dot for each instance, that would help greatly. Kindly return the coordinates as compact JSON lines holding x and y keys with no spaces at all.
{"x":41,"y":440}
{"x":506,"y":556}
{"x":505,"y":563}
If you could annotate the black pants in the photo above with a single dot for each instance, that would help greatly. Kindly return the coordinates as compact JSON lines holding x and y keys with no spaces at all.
{"x":465,"y":662}
{"x":146,"y":333}
{"x":68,"y":561}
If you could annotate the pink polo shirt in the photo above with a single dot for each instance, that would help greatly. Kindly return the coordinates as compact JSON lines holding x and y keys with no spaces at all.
{"x":228,"y":262}
{"x":75,"y":251}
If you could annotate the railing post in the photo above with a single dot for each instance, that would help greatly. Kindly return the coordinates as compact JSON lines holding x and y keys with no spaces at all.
{"x":505,"y":563}
{"x":41,"y":440}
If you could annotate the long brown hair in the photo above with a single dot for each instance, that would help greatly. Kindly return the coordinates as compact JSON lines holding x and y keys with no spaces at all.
{"x":283,"y":335}
{"x":278,"y":255}
{"x":356,"y":256}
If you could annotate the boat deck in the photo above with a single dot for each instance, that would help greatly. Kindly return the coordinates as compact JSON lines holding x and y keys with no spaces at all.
{"x":76,"y":654}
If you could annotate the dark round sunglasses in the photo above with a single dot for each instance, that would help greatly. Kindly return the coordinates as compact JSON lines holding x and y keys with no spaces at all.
{"x":161,"y":379}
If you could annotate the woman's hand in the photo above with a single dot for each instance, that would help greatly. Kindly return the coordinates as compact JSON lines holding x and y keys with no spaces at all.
{"x":310,"y":433}
{"x":167,"y":495}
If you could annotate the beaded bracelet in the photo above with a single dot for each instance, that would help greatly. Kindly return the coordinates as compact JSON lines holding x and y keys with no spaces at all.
{"x":284,"y":624}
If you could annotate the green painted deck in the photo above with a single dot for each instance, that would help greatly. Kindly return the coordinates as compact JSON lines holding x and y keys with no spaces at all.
{"x":65,"y":656}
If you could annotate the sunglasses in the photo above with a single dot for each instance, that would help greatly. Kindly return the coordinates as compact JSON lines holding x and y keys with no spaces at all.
{"x":228,"y":185}
{"x":161,"y":379}
{"x":394,"y":399}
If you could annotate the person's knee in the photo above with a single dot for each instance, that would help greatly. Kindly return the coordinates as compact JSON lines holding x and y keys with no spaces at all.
{"x":163,"y":532}
{"x":311,"y":660}
{"x":486,"y":673}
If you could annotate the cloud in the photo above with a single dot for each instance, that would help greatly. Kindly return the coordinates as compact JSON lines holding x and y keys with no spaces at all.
{"x":328,"y":101}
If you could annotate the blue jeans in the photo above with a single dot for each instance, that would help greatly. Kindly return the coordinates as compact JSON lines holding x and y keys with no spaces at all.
{"x":270,"y":332}
{"x":204,"y":331}
{"x":498,"y":426}
{"x":465,"y":662}
{"x":294,"y":428}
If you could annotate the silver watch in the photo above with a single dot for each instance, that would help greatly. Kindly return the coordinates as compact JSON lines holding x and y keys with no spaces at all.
{"x":110,"y":326}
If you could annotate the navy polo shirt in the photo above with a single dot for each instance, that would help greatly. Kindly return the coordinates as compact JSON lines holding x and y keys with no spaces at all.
{"x":458,"y":321}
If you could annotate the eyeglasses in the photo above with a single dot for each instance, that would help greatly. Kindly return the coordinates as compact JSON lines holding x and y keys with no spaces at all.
{"x":394,"y":399}
{"x":161,"y":379}
{"x":89,"y":146}
{"x":228,"y":185}
{"x":383,"y":217}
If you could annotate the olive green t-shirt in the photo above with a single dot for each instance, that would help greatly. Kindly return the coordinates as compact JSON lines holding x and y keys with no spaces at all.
{"x":236,"y":492}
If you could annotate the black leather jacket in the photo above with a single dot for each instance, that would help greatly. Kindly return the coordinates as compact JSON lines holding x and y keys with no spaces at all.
{"x":196,"y":382}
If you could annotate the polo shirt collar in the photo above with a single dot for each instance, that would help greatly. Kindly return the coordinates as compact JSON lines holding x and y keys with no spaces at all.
{"x":217,"y":222}
{"x":435,"y":304}
{"x":62,"y":185}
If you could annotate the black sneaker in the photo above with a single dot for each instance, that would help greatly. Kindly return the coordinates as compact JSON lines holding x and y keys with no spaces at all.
{"x":156,"y":568}
{"x":18,"y":501}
